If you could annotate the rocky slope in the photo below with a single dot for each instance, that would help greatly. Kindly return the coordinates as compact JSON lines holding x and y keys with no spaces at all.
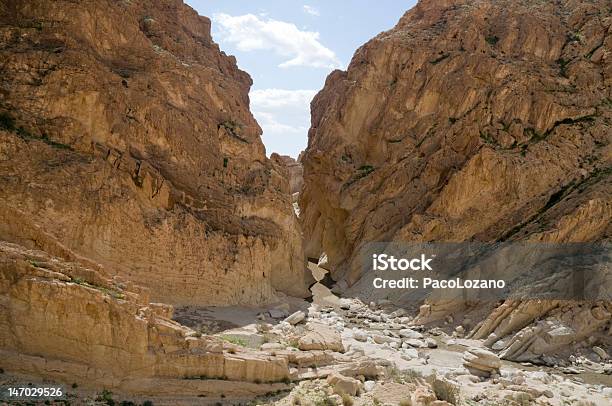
{"x":112,"y":337}
{"x":470,"y":121}
{"x":126,"y":135}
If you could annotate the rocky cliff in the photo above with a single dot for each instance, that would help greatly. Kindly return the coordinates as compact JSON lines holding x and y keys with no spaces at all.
{"x":126,"y":136}
{"x":469,"y":121}
{"x":112,"y":337}
{"x":473,"y":120}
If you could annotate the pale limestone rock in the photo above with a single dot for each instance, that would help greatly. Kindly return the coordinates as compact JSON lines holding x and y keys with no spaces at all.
{"x":111,"y":337}
{"x":321,"y":337}
{"x":408,"y":333}
{"x":415,"y":343}
{"x":600,"y":352}
{"x":360,"y":335}
{"x":368,"y":386}
{"x":481,"y":362}
{"x":410,"y":354}
{"x":343,"y":384}
{"x":296,"y":317}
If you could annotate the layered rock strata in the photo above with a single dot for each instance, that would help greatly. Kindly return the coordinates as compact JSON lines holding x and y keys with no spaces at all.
{"x":126,"y":135}
{"x":469,"y":121}
{"x":74,"y":324}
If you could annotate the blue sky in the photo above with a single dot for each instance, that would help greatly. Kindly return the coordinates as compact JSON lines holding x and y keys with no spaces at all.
{"x":289,"y":48}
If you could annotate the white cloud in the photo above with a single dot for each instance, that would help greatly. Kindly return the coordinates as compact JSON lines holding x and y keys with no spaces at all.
{"x":284,"y":116}
{"x":311,"y":10}
{"x":271,"y":126}
{"x":276,"y":98}
{"x":252,"y":33}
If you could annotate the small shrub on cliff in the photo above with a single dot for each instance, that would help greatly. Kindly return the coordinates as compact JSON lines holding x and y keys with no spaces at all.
{"x":234,"y":340}
{"x":492,"y":40}
{"x":347,"y":400}
{"x":562,"y":63}
{"x":106,"y":396}
{"x":7,"y":122}
{"x":325,"y":402}
{"x":147,"y":403}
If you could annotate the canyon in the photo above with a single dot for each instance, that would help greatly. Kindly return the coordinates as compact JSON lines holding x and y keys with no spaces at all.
{"x":150,"y":250}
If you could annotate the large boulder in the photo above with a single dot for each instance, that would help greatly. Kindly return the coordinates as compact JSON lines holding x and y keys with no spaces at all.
{"x":321,"y":337}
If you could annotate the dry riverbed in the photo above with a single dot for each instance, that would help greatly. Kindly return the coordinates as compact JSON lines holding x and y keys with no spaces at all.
{"x":343,"y":351}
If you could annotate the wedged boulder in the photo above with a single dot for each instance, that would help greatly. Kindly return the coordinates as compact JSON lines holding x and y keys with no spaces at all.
{"x":321,"y":337}
{"x":481,"y":362}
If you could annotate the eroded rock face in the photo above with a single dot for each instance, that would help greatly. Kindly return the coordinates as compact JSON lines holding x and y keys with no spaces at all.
{"x":295,"y":172}
{"x":470,"y":120}
{"x":126,"y":136}
{"x":81,"y":326}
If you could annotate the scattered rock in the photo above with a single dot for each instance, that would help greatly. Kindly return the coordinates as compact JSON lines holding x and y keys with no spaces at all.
{"x":431,"y":343}
{"x":409,"y":354}
{"x":600,"y":352}
{"x":413,"y":342}
{"x":343,"y":384}
{"x":481,"y":362}
{"x":272,"y":346}
{"x":408,"y":333}
{"x":296,"y":317}
{"x":360,"y":335}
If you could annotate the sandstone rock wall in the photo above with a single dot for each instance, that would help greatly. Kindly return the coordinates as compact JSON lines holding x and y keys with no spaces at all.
{"x":126,"y":136}
{"x":295,"y":171}
{"x":470,"y":120}
{"x":70,"y":323}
